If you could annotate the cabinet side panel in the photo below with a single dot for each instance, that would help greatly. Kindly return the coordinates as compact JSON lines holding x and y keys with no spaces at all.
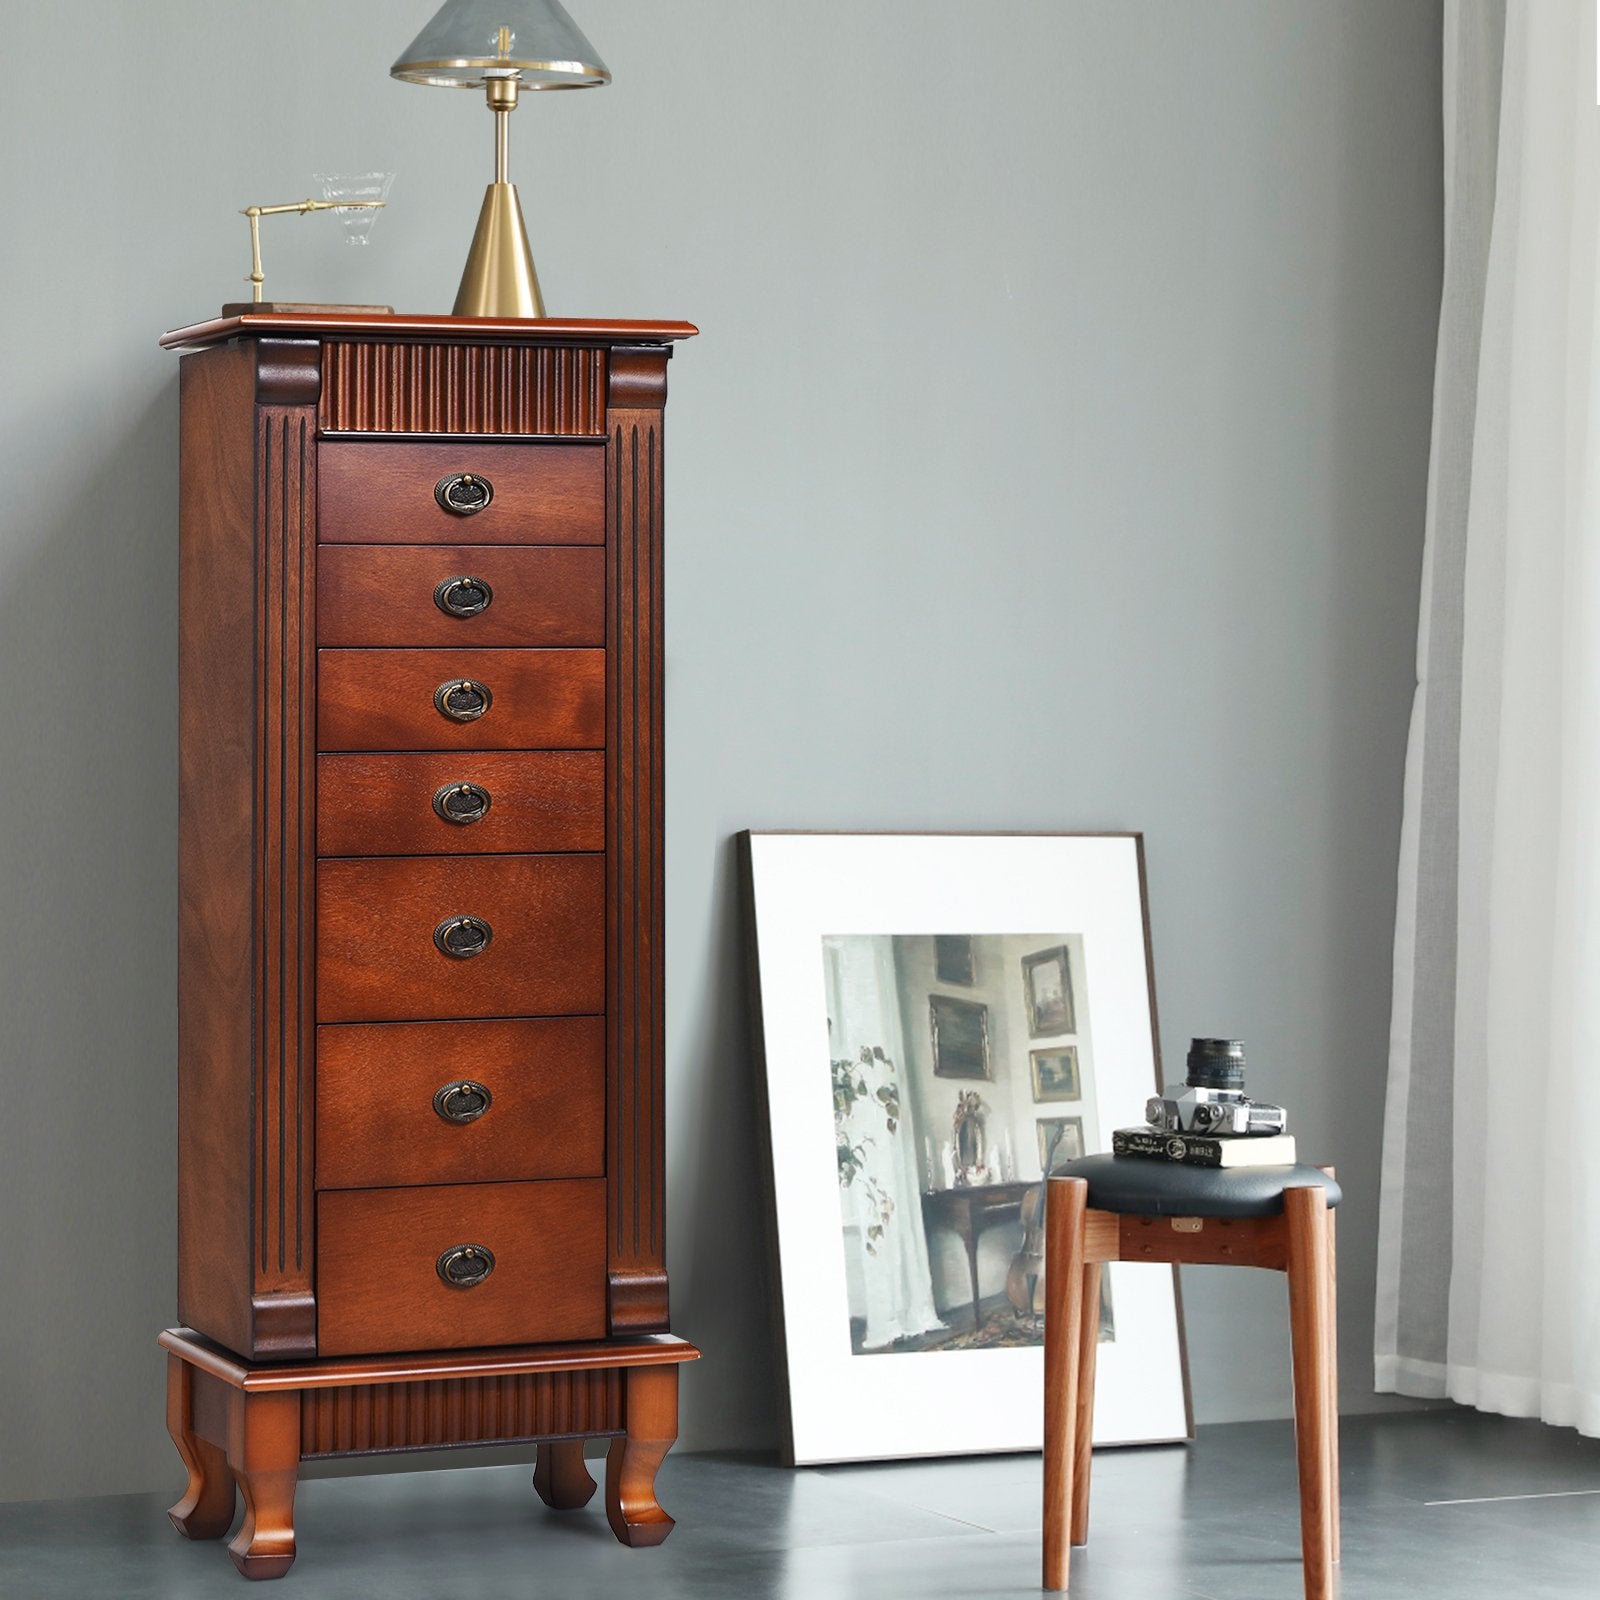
{"x":216,"y":828}
{"x":634,"y":824}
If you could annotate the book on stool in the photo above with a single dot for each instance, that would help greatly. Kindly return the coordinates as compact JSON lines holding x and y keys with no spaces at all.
{"x":1206,"y":1150}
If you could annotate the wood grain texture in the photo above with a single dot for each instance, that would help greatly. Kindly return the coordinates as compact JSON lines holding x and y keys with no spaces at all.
{"x":288,"y":530}
{"x":1083,"y":1419}
{"x":264,"y":1454}
{"x":382,"y":386}
{"x":1220,"y":1241}
{"x":650,"y":1408}
{"x":539,"y":800}
{"x":650,"y":1349}
{"x":560,"y":1477}
{"x":289,"y":373}
{"x":383,"y":493}
{"x":375,"y":1089}
{"x":409,"y":325}
{"x":1335,"y":1536}
{"x":216,"y":842}
{"x":286,"y":499}
{"x":1305,"y":1220}
{"x":377,"y":961}
{"x":1300,"y":1242}
{"x":206,"y":1508}
{"x":246,"y":592}
{"x":1065,"y":1210}
{"x":635,"y":933}
{"x":378,"y":1287}
{"x":383,"y":699}
{"x":369,"y":1419}
{"x":378,"y":594}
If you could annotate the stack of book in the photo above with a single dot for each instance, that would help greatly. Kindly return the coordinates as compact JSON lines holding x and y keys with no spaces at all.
{"x":1204,"y":1149}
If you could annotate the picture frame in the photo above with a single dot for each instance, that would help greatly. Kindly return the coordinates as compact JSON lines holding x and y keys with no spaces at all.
{"x":890,"y":1263}
{"x":1047,"y":985}
{"x":960,"y":1034}
{"x":953,"y":959}
{"x":1055,"y":1073}
{"x":1071,"y":1145}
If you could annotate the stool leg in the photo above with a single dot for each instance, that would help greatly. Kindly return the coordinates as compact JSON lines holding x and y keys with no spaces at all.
{"x":1333,"y":1383}
{"x":1088,"y":1349}
{"x":1305,"y":1216}
{"x":1065,"y":1203}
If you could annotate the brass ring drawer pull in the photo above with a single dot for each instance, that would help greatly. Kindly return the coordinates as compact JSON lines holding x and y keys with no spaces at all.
{"x":462,"y":699}
{"x":462,"y":803}
{"x":463,"y":937}
{"x":463,"y":596}
{"x":465,"y":1266}
{"x":463,"y":494}
{"x":462,"y":1102}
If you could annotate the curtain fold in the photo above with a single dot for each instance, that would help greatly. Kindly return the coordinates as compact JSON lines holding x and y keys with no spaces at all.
{"x":883,"y":1203}
{"x":1489,"y":1247}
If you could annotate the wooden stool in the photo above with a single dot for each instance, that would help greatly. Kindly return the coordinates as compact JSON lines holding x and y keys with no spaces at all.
{"x":1109,"y":1208}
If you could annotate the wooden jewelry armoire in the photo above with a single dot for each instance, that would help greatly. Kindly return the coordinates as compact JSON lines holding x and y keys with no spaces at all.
{"x":420,"y":907}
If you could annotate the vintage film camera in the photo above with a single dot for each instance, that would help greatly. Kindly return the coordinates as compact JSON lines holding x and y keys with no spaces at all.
{"x":1212,"y":1098}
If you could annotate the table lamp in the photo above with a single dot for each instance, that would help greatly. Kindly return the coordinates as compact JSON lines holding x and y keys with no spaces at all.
{"x":502,"y":47}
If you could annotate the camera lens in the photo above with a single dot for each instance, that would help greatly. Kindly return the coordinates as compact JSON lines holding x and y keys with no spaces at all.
{"x":1216,"y":1064}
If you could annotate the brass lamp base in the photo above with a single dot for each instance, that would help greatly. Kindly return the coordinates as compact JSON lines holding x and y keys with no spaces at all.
{"x":499,"y":280}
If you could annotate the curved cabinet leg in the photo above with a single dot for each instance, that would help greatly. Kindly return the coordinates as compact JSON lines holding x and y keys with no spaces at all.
{"x":650,"y":1407}
{"x":559,"y":1475}
{"x":206,"y":1509}
{"x":264,"y":1452}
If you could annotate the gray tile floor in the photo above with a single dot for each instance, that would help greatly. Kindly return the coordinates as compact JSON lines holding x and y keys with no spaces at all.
{"x":1445,"y":1503}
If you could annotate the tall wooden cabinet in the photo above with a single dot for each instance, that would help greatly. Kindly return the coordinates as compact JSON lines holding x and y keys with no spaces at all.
{"x":420,"y":924}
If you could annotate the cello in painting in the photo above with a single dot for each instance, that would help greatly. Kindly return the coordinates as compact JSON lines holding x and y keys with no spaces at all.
{"x":1025,"y":1277}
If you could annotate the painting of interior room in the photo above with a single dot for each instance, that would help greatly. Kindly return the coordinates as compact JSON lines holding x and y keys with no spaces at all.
{"x":949,"y":1109}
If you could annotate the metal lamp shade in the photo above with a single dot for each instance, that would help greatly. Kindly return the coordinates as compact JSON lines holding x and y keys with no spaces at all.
{"x":468,"y":42}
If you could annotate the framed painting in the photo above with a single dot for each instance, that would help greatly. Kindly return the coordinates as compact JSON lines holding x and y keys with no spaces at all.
{"x":1060,"y":1139}
{"x":959,"y":1030}
{"x":899,"y":1169}
{"x":952,"y":958}
{"x":1055,"y":1073}
{"x":1047,"y":987}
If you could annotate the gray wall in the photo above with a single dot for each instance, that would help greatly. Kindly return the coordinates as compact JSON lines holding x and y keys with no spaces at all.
{"x":1074,"y":350}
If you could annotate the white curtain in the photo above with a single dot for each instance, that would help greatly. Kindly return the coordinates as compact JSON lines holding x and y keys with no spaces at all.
{"x":1489,"y":1249}
{"x":864,"y":1013}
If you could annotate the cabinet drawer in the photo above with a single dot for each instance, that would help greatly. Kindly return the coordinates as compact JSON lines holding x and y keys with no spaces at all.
{"x":378,"y":922}
{"x":385,"y":699}
{"x":385,"y":493}
{"x":384,"y":805}
{"x":385,"y":1114}
{"x":378,"y":1255}
{"x":376,"y":594}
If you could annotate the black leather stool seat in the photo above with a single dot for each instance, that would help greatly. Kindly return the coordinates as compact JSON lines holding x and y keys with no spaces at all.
{"x":1146,"y":1188}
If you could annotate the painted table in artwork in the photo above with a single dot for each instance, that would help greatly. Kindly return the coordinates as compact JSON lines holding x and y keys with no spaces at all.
{"x":968,"y":1211}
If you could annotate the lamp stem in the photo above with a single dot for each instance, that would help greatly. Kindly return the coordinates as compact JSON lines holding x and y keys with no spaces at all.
{"x":502,"y":96}
{"x":499,"y":280}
